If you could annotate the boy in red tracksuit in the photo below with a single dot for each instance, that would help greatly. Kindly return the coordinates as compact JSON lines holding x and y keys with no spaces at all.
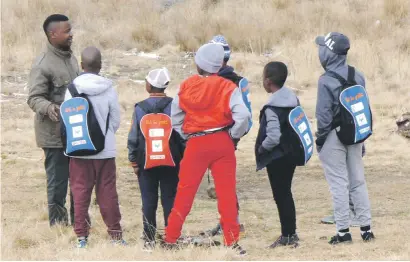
{"x":210,"y":113}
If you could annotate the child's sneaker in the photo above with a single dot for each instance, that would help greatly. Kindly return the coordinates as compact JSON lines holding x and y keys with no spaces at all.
{"x":292,"y":240}
{"x":368,"y":236}
{"x":216,"y":231}
{"x":337,"y":239}
{"x":82,"y":242}
{"x":120,"y":242}
{"x":149,"y":246}
{"x":239,"y":250}
{"x":169,"y":246}
{"x":212,"y":232}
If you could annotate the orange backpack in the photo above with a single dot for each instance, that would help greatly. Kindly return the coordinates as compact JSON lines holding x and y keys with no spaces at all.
{"x":156,"y":128}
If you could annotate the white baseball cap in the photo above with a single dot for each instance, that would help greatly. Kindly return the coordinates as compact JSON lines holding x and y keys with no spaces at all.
{"x":159,"y":78}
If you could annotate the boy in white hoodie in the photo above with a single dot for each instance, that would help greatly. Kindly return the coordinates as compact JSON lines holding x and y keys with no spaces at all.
{"x":97,"y":170}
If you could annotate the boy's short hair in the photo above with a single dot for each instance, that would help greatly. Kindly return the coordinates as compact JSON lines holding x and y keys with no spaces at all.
{"x":53,"y":18}
{"x":276,"y":72}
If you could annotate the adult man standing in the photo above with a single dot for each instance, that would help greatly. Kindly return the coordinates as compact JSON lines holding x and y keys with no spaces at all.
{"x":342,"y":163}
{"x":52,"y":71}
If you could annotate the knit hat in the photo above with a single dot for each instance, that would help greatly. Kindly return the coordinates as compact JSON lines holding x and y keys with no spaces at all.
{"x":158,"y":78}
{"x":220,"y":39}
{"x":209,"y":57}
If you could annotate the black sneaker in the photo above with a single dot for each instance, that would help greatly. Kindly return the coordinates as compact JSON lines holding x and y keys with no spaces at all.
{"x":368,"y":236}
{"x":337,"y":239}
{"x":239,"y":250}
{"x":292,"y":240}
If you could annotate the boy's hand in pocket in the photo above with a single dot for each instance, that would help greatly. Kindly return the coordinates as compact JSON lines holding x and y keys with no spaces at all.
{"x":136,"y":168}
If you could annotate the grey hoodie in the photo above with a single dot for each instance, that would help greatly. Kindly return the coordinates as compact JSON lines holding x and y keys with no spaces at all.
{"x":328,"y":106}
{"x":284,"y":97}
{"x":104,"y":100}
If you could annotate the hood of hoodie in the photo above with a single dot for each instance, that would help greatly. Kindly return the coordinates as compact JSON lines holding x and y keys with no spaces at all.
{"x":92,"y":84}
{"x":329,"y":60}
{"x":284,"y":97}
{"x":226,"y":70}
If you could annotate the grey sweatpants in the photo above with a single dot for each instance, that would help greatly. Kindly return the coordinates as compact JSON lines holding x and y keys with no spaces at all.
{"x":344,"y":171}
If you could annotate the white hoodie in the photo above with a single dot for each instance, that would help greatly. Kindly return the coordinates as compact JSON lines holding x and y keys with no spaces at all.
{"x":104,"y":100}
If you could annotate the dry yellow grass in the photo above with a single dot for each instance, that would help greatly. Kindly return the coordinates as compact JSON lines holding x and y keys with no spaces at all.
{"x":259,"y":31}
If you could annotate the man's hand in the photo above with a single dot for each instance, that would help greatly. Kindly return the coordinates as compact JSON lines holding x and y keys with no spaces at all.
{"x":53,"y":112}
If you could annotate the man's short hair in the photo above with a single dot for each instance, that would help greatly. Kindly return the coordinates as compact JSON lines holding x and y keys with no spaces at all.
{"x":276,"y":72}
{"x":53,"y":18}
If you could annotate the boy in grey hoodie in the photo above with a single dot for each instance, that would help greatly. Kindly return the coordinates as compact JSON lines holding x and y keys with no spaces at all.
{"x":343,"y":164}
{"x":273,"y":131}
{"x":97,"y":170}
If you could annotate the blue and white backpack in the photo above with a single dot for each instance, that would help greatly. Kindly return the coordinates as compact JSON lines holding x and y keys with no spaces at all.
{"x":80,"y":131}
{"x":354,"y":124}
{"x":243,"y":86}
{"x":302,"y":136}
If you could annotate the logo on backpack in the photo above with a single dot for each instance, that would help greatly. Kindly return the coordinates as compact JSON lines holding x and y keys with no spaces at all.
{"x":243,"y":86}
{"x":355,"y":123}
{"x":80,"y":131}
{"x":303,"y":150}
{"x":357,"y":118}
{"x":156,"y":128}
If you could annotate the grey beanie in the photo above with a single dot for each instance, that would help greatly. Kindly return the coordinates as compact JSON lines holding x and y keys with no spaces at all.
{"x":209,"y":57}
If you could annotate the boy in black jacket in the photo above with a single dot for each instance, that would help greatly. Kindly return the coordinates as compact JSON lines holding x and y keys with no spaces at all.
{"x":273,"y":131}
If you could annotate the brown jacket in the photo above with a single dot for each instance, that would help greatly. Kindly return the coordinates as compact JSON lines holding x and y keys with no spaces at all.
{"x":51,"y":72}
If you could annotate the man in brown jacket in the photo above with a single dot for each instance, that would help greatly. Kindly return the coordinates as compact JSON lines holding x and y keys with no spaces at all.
{"x":51,"y":72}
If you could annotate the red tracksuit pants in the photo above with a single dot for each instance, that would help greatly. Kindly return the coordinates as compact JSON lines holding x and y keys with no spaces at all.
{"x":216,"y":152}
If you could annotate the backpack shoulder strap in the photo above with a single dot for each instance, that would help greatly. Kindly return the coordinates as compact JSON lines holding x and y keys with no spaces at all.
{"x":243,"y":83}
{"x":279,"y":111}
{"x":73,"y":90}
{"x":342,"y":81}
{"x":350,"y":76}
{"x":162,"y":104}
{"x":145,"y":106}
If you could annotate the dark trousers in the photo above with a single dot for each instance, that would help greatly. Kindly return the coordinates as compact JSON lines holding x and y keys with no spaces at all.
{"x":56,"y":165}
{"x":101,"y":173}
{"x":280,"y":174}
{"x":165,"y":178}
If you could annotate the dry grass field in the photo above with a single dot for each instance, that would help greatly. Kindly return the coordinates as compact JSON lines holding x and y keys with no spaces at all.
{"x":258,"y":31}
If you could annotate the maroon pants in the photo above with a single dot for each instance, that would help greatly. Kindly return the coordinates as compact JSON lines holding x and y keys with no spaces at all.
{"x":101,"y":173}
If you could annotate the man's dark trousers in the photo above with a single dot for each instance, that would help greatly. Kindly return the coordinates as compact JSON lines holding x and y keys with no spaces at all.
{"x":57,"y":169}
